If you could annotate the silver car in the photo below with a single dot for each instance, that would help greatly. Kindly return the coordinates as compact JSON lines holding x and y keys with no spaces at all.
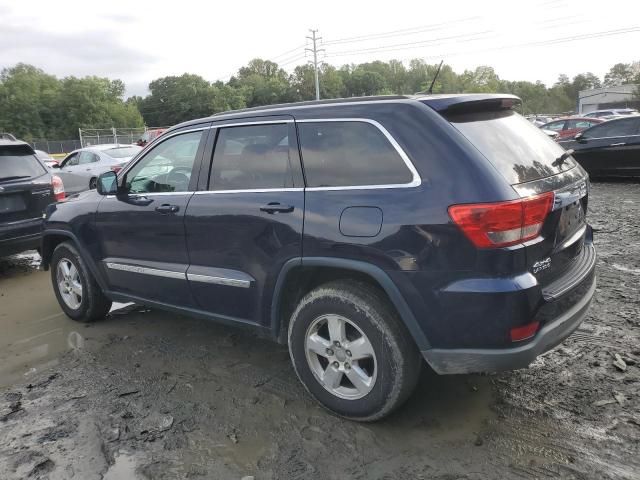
{"x":81,"y":168}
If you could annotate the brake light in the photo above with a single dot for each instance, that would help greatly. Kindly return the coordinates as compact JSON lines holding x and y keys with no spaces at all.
{"x":500,"y":224}
{"x":526,"y":331}
{"x":116,"y":168}
{"x":58,"y":188}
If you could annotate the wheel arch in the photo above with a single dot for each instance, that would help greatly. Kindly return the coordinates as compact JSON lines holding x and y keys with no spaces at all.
{"x":299,"y":275}
{"x":52,"y":238}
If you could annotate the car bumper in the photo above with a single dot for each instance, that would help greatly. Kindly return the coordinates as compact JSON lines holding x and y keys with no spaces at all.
{"x":19,"y":236}
{"x":469,"y":360}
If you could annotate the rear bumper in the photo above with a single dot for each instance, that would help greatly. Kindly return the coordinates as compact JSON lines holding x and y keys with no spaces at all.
{"x":16,"y":237}
{"x":450,"y":361}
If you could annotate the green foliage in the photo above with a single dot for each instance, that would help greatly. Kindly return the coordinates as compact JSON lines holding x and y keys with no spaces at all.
{"x":34,"y":104}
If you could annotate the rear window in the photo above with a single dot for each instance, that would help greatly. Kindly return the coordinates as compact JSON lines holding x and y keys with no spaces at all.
{"x":340,"y":154}
{"x":520,"y":151}
{"x":17,"y":163}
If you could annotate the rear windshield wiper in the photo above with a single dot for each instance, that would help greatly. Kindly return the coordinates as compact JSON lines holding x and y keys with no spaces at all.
{"x":16,"y":177}
{"x":561,"y":159}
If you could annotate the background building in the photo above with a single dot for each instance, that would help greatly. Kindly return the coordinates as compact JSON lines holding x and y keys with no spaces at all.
{"x":621,"y":96}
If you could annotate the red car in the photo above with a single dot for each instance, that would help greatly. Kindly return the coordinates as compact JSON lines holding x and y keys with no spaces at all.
{"x":150,"y":135}
{"x":569,"y":127}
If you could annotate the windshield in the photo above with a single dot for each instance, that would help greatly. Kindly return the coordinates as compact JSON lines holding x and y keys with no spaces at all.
{"x":17,"y":163}
{"x":520,"y":151}
{"x":122,"y":152}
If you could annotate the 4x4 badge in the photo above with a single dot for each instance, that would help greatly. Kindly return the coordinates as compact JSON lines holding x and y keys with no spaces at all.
{"x":542,"y":265}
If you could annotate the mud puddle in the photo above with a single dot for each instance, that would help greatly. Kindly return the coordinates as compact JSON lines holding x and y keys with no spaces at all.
{"x":35,"y":332}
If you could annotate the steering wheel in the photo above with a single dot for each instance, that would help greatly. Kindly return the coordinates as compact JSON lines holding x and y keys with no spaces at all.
{"x":179,"y":178}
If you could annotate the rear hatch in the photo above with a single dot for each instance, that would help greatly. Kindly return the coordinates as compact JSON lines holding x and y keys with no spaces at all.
{"x":25,"y":188}
{"x":534,"y":165}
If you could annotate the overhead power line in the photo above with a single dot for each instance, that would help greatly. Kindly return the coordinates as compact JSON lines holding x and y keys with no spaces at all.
{"x":397,"y":33}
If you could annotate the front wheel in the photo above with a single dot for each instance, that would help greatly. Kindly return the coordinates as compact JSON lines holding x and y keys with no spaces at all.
{"x":352,"y":352}
{"x":93,"y":183}
{"x":77,"y":292}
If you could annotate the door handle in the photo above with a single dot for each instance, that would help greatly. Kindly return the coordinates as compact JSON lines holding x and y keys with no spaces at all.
{"x":275,"y":207}
{"x":166,"y":208}
{"x":617,"y":144}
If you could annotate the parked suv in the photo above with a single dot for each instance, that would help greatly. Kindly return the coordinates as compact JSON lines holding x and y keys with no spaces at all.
{"x":365,"y":233}
{"x":26,"y":188}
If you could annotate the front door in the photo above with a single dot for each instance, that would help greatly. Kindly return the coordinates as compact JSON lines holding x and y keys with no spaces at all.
{"x":141,"y":232}
{"x":247,"y":221}
{"x":603,"y":148}
{"x":69,"y":173}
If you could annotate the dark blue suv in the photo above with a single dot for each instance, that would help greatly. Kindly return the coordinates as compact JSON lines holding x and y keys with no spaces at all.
{"x":366,"y":233}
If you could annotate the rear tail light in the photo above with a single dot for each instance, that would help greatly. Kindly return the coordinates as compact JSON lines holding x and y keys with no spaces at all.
{"x":58,"y":188}
{"x":526,"y":331}
{"x":116,"y":168}
{"x":500,"y":224}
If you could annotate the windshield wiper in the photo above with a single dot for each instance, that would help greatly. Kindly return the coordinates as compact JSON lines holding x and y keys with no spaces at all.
{"x":561,"y":159}
{"x":15,"y":177}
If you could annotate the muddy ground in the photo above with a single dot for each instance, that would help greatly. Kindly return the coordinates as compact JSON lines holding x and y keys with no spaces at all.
{"x":147,"y":394}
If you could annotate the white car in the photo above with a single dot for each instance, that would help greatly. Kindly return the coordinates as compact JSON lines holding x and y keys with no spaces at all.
{"x":611,"y":113}
{"x":80,"y":169}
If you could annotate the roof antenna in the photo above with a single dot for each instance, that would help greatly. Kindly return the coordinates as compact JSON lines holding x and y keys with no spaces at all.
{"x":435,"y":77}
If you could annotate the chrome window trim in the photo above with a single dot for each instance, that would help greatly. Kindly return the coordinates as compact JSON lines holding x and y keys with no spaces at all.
{"x":230,"y":282}
{"x":251,"y":190}
{"x":416,"y":180}
{"x":154,"y":194}
{"x":145,"y":270}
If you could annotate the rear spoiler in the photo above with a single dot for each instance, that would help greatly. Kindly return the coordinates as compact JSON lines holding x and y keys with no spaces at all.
{"x":465,"y":103}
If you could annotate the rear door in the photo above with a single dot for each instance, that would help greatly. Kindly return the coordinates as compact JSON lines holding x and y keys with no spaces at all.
{"x":246,"y":221}
{"x":25,"y":191}
{"x":630,"y":162}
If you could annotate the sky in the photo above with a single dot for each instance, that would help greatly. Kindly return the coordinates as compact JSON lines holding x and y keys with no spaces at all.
{"x":141,"y":41}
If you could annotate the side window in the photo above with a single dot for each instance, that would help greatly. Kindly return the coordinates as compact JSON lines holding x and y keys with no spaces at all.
{"x":555,"y":126}
{"x":71,"y":160}
{"x":349,"y":153}
{"x":167,"y":167}
{"x":580,"y":124}
{"x":251,"y":157}
{"x":613,"y":128}
{"x":87,"y":157}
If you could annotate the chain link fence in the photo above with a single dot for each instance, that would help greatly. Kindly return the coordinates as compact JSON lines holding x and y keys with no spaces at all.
{"x":91,"y":136}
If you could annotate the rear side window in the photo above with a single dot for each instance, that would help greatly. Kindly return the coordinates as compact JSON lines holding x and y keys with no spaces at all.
{"x":251,"y":157}
{"x":18,"y":163}
{"x":614,"y":128}
{"x":520,"y":151}
{"x":349,"y":153}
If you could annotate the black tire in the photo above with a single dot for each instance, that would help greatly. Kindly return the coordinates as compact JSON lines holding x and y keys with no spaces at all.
{"x":94,"y":304}
{"x":397,"y":358}
{"x":93,"y":183}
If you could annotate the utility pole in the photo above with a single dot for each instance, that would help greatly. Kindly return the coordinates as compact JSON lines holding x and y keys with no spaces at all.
{"x":315,"y":51}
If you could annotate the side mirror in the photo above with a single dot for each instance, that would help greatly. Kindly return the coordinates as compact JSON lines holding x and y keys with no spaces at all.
{"x":580,"y":138}
{"x":55,"y":165}
{"x":107,"y":183}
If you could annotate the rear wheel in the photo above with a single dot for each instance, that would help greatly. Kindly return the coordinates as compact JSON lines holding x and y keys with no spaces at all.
{"x":77,"y":292}
{"x":351,"y":351}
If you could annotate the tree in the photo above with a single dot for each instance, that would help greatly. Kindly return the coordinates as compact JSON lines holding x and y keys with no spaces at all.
{"x":619,"y":74}
{"x":34,"y":104}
